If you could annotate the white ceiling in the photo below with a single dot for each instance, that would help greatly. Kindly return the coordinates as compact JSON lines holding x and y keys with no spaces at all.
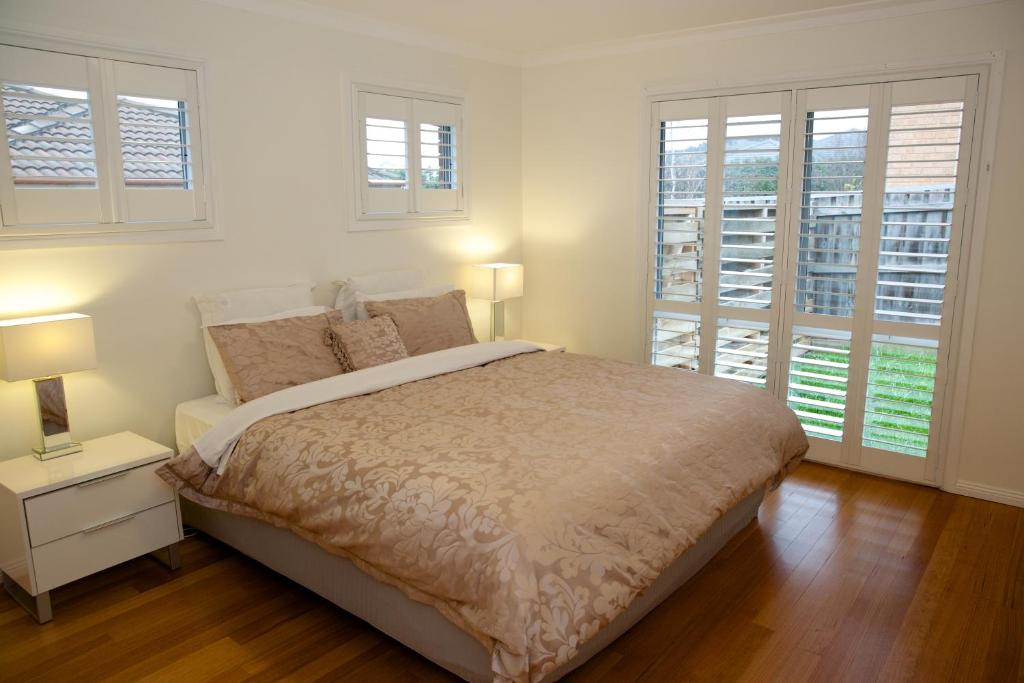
{"x":525,"y":27}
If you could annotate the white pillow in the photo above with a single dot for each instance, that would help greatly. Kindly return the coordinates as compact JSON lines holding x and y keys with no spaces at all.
{"x":420,"y":293}
{"x":243,"y":305}
{"x":374,"y":283}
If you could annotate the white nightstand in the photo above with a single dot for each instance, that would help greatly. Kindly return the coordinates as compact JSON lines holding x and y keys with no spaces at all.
{"x":544,"y":346}
{"x":72,"y":516}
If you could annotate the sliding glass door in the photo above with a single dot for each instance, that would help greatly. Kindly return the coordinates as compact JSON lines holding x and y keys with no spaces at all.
{"x":804,"y":242}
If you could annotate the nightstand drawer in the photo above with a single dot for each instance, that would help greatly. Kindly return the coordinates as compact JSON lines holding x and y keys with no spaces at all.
{"x":61,"y":513}
{"x":104,"y":545}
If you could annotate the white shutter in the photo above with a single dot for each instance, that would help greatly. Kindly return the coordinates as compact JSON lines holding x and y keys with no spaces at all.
{"x":161,"y":167}
{"x":48,"y":166}
{"x":856,"y":317}
{"x":386,"y":122}
{"x":438,"y":128}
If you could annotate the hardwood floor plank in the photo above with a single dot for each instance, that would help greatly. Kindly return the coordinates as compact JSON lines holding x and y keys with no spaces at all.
{"x":842,"y":577}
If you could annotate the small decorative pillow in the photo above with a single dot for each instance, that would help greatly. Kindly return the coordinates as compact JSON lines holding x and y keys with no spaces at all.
{"x":428,"y":324}
{"x":360,"y":344}
{"x":264,"y":357}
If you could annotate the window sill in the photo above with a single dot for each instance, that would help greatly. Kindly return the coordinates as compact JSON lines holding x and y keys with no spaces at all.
{"x":84,"y":234}
{"x":406,"y":221}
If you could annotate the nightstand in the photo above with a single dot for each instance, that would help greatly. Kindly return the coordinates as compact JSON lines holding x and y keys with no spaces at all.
{"x":66,"y":518}
{"x":544,"y":346}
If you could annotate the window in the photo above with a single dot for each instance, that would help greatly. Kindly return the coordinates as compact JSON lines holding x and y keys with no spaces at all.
{"x":802,"y":243}
{"x":97,"y":144}
{"x":410,"y":161}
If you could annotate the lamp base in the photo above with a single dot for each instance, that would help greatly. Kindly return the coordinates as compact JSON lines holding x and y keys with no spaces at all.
{"x":53,"y":419}
{"x":57,"y":451}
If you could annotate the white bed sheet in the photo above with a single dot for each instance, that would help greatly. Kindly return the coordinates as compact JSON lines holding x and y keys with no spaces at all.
{"x":194,"y":418}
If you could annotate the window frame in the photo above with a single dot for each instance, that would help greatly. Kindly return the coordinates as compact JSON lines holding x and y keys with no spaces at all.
{"x":989,"y":68}
{"x":202,"y":228}
{"x":362,"y":219}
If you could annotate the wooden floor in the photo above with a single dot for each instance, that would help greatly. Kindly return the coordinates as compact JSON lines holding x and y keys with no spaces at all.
{"x":845,"y":577}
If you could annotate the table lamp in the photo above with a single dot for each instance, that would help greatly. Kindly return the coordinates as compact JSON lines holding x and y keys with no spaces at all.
{"x":497,"y":282}
{"x":43,"y":348}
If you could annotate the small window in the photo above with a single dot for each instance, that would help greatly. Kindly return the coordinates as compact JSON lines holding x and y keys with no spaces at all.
{"x":409,"y":165}
{"x":387,"y":154}
{"x":94,"y":143}
{"x":49,"y":136}
{"x":154,"y":142}
{"x":437,"y":157}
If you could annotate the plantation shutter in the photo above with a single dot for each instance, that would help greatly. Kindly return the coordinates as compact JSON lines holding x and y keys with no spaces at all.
{"x":438,"y":127}
{"x":49,"y":171}
{"x":928,"y":126}
{"x":385,"y":138}
{"x":804,"y":242}
{"x":713,"y":284}
{"x":161,"y":166}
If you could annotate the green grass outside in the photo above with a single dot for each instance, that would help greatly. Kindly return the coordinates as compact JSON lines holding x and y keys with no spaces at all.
{"x":901,"y":382}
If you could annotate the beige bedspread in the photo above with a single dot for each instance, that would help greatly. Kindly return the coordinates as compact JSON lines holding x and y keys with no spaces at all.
{"x":529,"y":500}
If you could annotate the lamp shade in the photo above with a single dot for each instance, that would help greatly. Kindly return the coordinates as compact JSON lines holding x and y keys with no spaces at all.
{"x":497,"y":281}
{"x":46,"y":345}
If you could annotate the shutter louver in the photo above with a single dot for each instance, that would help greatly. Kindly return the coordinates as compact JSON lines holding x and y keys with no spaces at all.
{"x":155,"y":142}
{"x":675,"y":341}
{"x":49,"y":136}
{"x":387,"y":156}
{"x":750,"y":181}
{"x":830,"y":209}
{"x":901,"y":387}
{"x":741,"y":351}
{"x":920,"y":190}
{"x":682,"y":185}
{"x":819,"y":372}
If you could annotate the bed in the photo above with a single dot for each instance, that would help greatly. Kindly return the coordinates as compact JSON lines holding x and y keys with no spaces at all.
{"x":505,"y":512}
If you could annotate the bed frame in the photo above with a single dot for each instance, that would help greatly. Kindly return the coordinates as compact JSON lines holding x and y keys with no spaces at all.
{"x":418,"y":625}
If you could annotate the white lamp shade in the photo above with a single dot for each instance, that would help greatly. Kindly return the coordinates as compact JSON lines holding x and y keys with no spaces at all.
{"x":46,"y":345}
{"x":497,"y":281}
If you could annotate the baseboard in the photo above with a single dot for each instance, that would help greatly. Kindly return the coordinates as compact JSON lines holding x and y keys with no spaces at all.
{"x":986,"y":492}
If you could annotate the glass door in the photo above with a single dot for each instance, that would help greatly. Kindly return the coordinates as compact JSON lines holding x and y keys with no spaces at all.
{"x":806,"y":243}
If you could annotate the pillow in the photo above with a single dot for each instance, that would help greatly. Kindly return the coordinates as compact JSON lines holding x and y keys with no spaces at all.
{"x":426,"y":325}
{"x":221,"y":379}
{"x":373,"y":283}
{"x":421,"y":293}
{"x":360,"y":344}
{"x":245,"y":304}
{"x":264,"y":357}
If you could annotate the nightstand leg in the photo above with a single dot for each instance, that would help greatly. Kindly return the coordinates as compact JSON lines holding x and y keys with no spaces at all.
{"x":36,"y":605}
{"x":169,"y":557}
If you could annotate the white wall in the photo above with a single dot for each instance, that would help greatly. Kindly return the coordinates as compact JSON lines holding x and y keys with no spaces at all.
{"x":583,"y":127}
{"x":277,"y":132}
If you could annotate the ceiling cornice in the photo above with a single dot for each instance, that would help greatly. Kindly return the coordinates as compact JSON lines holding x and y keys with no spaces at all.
{"x":852,"y":13}
{"x":306,"y":13}
{"x":870,"y":10}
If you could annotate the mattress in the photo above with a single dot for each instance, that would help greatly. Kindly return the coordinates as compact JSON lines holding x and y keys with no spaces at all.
{"x":194,"y":418}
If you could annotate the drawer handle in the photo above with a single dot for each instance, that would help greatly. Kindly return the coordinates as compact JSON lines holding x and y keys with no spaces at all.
{"x":104,"y":525}
{"x":116,"y":475}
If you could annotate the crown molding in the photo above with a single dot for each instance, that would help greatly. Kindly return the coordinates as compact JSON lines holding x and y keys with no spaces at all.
{"x":305,"y":13}
{"x":872,"y":10}
{"x":350,"y":22}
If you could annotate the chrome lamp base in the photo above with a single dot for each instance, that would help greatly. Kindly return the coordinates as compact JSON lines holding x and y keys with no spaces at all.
{"x":69,"y":448}
{"x":53,"y":420}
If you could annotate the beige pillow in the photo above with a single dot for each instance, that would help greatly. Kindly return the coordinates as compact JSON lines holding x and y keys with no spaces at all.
{"x":362,"y":344}
{"x":265,"y":357}
{"x":428,"y":324}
